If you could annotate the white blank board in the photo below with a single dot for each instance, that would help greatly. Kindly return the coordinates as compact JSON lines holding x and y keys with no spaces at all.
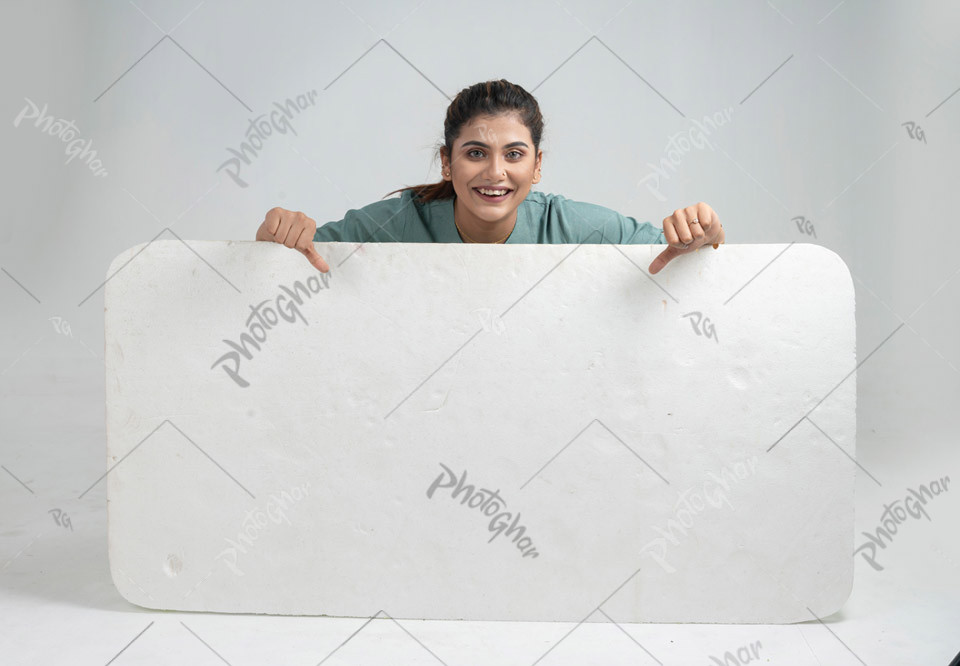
{"x":675,"y":447}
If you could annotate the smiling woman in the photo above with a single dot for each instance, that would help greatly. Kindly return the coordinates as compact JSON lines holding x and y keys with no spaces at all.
{"x":491,"y":159}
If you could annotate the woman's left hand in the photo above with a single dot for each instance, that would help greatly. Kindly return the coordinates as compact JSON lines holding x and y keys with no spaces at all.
{"x":688,"y":229}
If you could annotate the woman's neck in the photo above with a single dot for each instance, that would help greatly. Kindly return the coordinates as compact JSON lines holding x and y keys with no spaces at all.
{"x":472,"y":230}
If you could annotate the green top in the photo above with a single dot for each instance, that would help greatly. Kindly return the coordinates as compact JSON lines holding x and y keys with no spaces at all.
{"x":541,"y":219}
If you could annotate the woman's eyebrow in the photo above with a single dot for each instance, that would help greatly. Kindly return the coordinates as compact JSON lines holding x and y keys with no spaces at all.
{"x":483,"y":145}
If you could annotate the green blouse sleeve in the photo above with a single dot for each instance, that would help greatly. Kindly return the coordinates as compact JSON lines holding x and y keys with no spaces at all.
{"x":599,"y":224}
{"x":640,"y":233}
{"x":378,"y":222}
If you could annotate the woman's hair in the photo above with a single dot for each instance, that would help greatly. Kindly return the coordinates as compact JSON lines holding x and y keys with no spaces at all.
{"x":489,"y":98}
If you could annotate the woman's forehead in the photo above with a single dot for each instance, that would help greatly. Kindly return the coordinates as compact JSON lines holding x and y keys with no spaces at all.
{"x":495,"y":130}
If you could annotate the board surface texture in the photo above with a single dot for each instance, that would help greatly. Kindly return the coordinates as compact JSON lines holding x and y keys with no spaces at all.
{"x":482,"y":432}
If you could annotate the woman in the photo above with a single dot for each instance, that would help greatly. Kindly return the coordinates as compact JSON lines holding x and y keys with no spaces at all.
{"x":491,"y":157}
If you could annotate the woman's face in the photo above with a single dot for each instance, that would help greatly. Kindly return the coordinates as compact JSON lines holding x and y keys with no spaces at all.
{"x":494,"y":152}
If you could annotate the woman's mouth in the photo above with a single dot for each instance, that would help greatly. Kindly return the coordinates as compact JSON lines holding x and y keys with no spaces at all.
{"x":492,"y":198}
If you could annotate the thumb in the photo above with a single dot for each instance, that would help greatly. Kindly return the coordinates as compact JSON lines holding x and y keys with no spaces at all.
{"x":663,"y":259}
{"x":310,"y":252}
{"x":720,"y":239}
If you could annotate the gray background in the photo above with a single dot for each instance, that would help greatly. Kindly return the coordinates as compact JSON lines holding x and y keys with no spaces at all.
{"x":817,"y":93}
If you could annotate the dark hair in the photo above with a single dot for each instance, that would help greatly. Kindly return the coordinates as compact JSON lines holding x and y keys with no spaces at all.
{"x":489,"y":98}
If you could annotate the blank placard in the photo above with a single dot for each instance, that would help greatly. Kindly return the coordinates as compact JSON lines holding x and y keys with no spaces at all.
{"x":482,"y":432}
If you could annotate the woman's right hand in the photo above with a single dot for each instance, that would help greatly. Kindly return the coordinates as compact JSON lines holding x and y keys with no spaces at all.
{"x":295,"y":230}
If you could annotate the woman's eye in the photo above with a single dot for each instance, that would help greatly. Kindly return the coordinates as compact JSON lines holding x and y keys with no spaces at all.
{"x":512,"y":152}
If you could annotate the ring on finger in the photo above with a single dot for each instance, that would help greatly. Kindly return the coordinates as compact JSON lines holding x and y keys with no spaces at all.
{"x":693,"y":221}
